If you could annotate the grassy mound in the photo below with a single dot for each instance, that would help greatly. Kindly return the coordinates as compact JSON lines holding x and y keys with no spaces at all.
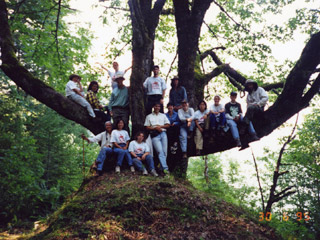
{"x":135,"y":207}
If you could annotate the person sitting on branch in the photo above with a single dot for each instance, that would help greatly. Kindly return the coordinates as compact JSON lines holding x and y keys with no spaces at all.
{"x":217,"y":116}
{"x":257,"y":98}
{"x":234,"y":117}
{"x":186,"y":116}
{"x":74,"y":92}
{"x":139,"y":151}
{"x":95,"y":104}
{"x":200,"y":116}
{"x":106,"y":146}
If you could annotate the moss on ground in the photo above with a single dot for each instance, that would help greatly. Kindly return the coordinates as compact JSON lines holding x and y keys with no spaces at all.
{"x":135,"y":207}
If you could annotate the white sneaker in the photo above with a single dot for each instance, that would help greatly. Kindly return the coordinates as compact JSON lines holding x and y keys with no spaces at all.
{"x":117,"y":169}
{"x":154,"y":173}
{"x":145,"y":172}
{"x":132,"y":169}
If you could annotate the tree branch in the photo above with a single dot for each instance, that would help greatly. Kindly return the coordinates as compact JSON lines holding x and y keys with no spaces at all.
{"x":311,"y":92}
{"x":258,"y":178}
{"x":56,"y":32}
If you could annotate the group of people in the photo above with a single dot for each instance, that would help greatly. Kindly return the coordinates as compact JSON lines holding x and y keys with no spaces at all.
{"x":166,"y":131}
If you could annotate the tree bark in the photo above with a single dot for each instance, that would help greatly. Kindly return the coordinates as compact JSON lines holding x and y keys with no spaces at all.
{"x":144,"y":22}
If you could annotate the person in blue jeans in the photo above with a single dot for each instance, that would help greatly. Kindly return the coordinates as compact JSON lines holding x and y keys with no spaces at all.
{"x":186,"y":116}
{"x":120,"y":140}
{"x":217,"y":115}
{"x":234,"y":116}
{"x":139,"y":151}
{"x":106,"y":146}
{"x":157,"y":124}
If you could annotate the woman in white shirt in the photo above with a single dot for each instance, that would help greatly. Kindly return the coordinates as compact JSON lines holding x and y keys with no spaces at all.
{"x":200,"y":117}
{"x":139,"y":150}
{"x":120,"y":140}
{"x":217,"y":115}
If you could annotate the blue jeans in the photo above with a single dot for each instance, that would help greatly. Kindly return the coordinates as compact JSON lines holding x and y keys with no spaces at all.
{"x":104,"y":152}
{"x":160,"y":144}
{"x":184,"y":135}
{"x":121,"y":154}
{"x":216,"y":120}
{"x":139,"y":164}
{"x":234,"y":128}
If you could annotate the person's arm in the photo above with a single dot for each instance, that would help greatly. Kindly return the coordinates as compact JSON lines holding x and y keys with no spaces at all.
{"x":103,"y":67}
{"x":181,"y":116}
{"x":143,"y":157}
{"x":126,"y":146}
{"x":117,"y":145}
{"x":127,"y":69}
{"x":263,"y":97}
{"x":85,"y":138}
{"x":163,"y":93}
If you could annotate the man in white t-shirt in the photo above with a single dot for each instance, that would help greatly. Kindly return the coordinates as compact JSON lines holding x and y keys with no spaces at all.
{"x":106,"y":146}
{"x":74,"y":91}
{"x":155,"y":88}
{"x":157,"y":123}
{"x":116,"y":72}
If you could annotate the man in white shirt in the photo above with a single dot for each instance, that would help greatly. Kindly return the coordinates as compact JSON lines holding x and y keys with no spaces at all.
{"x":157,"y":123}
{"x":155,"y":88}
{"x":257,"y":98}
{"x":74,"y":91}
{"x":106,"y":145}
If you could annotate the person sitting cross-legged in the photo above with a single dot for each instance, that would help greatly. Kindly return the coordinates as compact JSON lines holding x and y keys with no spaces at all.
{"x":139,"y":151}
{"x":234,"y":116}
{"x":217,"y":116}
{"x":106,"y":146}
{"x":120,"y":139}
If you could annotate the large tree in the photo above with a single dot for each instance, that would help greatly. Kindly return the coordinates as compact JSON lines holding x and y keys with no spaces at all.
{"x":300,"y":86}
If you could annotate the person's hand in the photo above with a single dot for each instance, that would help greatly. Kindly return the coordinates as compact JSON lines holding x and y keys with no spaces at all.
{"x":161,"y":101}
{"x":201,"y":129}
{"x":189,"y":124}
{"x":124,"y":148}
{"x":143,"y":158}
{"x":83,"y":137}
{"x":205,"y":116}
{"x":159,"y":129}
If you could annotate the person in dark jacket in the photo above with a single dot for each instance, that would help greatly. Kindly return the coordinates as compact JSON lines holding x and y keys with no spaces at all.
{"x":177,"y":93}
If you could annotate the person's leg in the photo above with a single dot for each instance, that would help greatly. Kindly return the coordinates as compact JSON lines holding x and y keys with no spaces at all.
{"x":157,"y":144}
{"x":104,"y":152}
{"x":120,"y":155}
{"x":128,"y":157}
{"x":213,"y":121}
{"x":150,"y":163}
{"x":183,"y":138}
{"x":138,"y":164}
{"x":222,"y":119}
{"x":84,"y":103}
{"x":234,"y":128}
{"x":198,"y":139}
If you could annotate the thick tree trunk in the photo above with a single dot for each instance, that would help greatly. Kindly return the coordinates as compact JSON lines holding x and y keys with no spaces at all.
{"x":144,"y":22}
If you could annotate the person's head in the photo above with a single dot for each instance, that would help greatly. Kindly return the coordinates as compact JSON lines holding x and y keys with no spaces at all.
{"x":119,"y":79}
{"x":233,"y":96}
{"x":139,"y":137}
{"x":115,"y":66}
{"x":202,"y":106}
{"x":184,"y":104}
{"x":74,"y":77}
{"x":93,"y":86}
{"x":170,"y":107}
{"x":250,"y":85}
{"x":156,"y":107}
{"x":108,"y":126}
{"x":156,"y":70}
{"x":175,"y":83}
{"x":120,"y":124}
{"x":216,"y":100}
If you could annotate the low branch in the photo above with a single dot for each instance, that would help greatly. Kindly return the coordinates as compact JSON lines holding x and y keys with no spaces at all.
{"x":282,"y":173}
{"x":283,"y":196}
{"x":56,"y":31}
{"x":174,"y":59}
{"x":215,"y":72}
{"x":311,"y":92}
{"x":283,"y":191}
{"x":258,"y":178}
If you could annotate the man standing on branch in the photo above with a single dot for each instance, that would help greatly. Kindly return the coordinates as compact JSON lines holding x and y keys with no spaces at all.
{"x":257,"y":98}
{"x":74,"y":91}
{"x":157,"y":123}
{"x":112,"y":75}
{"x":156,"y":88}
{"x":106,"y":146}
{"x":119,"y":102}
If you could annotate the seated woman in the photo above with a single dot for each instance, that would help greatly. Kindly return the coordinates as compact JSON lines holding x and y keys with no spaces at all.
{"x":174,"y":129}
{"x":217,"y":115}
{"x":186,"y":116}
{"x":200,"y":117}
{"x":139,"y":150}
{"x":120,"y":140}
{"x":95,"y":104}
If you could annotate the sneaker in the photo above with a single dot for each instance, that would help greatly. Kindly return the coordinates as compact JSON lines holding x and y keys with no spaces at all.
{"x":132,"y":169}
{"x":166,"y":172}
{"x":238,"y":142}
{"x":145,"y":172}
{"x":117,"y":169}
{"x":154,"y":173}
